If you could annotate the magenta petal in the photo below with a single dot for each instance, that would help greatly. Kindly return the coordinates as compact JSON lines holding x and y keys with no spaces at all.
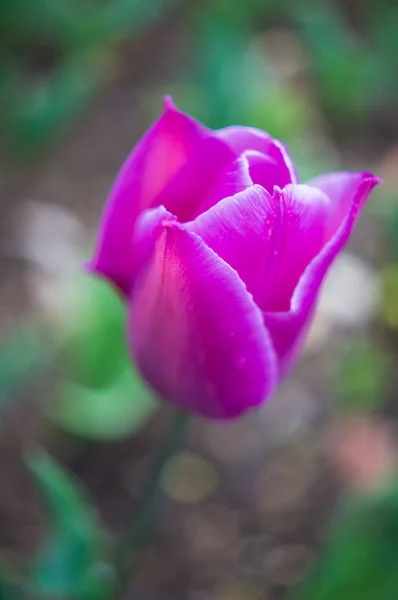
{"x":280,"y":170}
{"x":244,"y":230}
{"x":249,"y":168}
{"x":306,"y":212}
{"x":185,"y":193}
{"x":233,"y":179}
{"x":159,"y":155}
{"x":268,"y":240}
{"x":288,"y":329}
{"x":196,"y":333}
{"x":341,"y":187}
{"x":146,"y":231}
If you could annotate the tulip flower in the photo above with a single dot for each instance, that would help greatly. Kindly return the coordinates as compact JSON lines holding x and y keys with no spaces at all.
{"x":220,"y":253}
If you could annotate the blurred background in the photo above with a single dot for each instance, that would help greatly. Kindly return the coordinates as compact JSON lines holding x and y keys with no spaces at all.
{"x":247,"y":509}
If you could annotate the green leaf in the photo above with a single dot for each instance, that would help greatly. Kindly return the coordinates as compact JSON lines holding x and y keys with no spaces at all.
{"x":73,"y":561}
{"x":360,"y":558}
{"x":101,"y":395}
{"x":219,"y":67}
{"x":360,"y":383}
{"x":105,"y":413}
{"x":344,"y":69}
{"x":35,"y":110}
{"x":80,"y":38}
{"x":385,"y":44}
{"x":389,"y":305}
{"x":11,"y":583}
{"x":20,"y":357}
{"x":126,"y":17}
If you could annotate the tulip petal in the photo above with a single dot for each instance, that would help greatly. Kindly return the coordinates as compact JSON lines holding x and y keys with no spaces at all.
{"x":244,"y":230}
{"x":306,"y":212}
{"x":233,"y":179}
{"x":145,"y":231}
{"x":250,"y":168}
{"x":280,"y":169}
{"x":340,"y":188}
{"x":196,"y":333}
{"x":288,"y":328}
{"x":187,"y":190}
{"x":159,"y":155}
{"x":268,"y":240}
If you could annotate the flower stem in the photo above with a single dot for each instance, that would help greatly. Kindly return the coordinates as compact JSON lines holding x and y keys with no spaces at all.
{"x":138,"y":534}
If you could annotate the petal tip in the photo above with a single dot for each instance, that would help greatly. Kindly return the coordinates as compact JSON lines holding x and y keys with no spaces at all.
{"x":368,"y":183}
{"x":277,"y":191}
{"x":168,"y":104}
{"x":376,"y":180}
{"x":371,"y":177}
{"x":171,"y":225}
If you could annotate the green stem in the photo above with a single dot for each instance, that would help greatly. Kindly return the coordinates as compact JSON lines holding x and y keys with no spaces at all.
{"x":140,"y":527}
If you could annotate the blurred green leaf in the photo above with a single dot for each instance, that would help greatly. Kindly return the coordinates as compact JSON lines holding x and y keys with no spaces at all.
{"x":73,"y":562}
{"x":345,"y":71}
{"x":54,"y":55}
{"x":20,"y":357}
{"x":125,"y":17}
{"x":279,"y":112}
{"x":391,"y":227}
{"x":76,"y":24}
{"x":101,"y":395}
{"x":11,"y":584}
{"x":35,"y":110}
{"x":360,"y":557}
{"x":230,"y":14}
{"x":384,"y":27}
{"x":389,"y":306}
{"x":105,"y":413}
{"x":95,"y":333}
{"x":220,"y":53}
{"x":360,"y":383}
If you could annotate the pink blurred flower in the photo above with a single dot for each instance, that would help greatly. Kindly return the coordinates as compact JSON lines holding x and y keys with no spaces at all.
{"x":220,"y":253}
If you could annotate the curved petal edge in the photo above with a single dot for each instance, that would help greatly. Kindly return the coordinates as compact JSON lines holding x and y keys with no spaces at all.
{"x":288,"y":329}
{"x":153,"y":162}
{"x":196,"y":333}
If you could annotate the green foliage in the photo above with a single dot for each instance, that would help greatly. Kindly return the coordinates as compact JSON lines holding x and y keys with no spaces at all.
{"x":73,"y":561}
{"x":384,"y":23}
{"x":344,"y":70}
{"x":219,"y":65}
{"x":36,"y":109}
{"x":391,"y":227}
{"x":353,"y":72}
{"x":21,"y":356}
{"x":54,"y":55}
{"x":360,"y":557}
{"x":389,"y":307}
{"x":360,"y":384}
{"x":101,"y":396}
{"x":11,"y":587}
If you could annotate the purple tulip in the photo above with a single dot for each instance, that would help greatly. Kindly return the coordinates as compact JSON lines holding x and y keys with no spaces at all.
{"x":219,"y":253}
